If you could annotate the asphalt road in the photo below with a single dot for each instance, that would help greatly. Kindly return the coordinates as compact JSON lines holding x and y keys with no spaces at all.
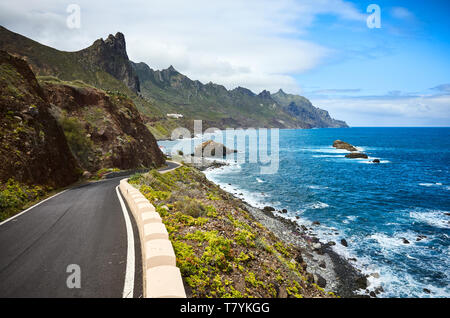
{"x":171,"y":165}
{"x":84,"y":226}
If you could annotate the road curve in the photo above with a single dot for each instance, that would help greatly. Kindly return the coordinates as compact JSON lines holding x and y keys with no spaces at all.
{"x":84,"y":226}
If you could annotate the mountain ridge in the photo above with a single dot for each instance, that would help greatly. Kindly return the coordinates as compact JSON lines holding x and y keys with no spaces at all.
{"x":105,"y":64}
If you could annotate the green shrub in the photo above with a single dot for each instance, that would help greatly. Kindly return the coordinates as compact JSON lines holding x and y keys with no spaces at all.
{"x":14,"y":196}
{"x":80,"y":145}
{"x":190,"y":207}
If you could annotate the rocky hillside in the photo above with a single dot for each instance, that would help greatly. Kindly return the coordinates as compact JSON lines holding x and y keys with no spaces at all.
{"x":104,"y":129}
{"x":302,"y":109}
{"x":105,"y":65}
{"x":34,"y":149}
{"x":219,"y":107}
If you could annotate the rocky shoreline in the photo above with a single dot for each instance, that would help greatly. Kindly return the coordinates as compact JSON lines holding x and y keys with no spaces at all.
{"x":330,"y":270}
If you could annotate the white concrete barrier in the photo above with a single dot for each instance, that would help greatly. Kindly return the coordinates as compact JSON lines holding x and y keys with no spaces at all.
{"x":162,"y":279}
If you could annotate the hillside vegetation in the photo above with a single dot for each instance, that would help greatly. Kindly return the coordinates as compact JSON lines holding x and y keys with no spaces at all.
{"x":156,"y":93}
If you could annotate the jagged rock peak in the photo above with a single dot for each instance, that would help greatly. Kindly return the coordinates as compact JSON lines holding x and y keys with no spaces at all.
{"x":281,"y":92}
{"x":244,"y":90}
{"x":117,"y":43}
{"x":264,"y":94}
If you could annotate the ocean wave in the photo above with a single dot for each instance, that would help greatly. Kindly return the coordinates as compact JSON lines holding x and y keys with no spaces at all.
{"x":259,"y":180}
{"x":317,"y":205}
{"x":429,"y":184}
{"x":326,"y":150}
{"x":316,"y":187}
{"x":328,"y":156}
{"x":435,"y":218}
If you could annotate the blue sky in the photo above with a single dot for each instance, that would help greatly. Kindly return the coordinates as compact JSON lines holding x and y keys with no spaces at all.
{"x":398,"y":75}
{"x":407,"y":58}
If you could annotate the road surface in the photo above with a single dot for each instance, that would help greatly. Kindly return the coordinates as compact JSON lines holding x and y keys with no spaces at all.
{"x":83,"y":226}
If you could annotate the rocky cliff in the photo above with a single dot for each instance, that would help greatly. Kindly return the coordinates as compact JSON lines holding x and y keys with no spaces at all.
{"x":105,"y":129}
{"x":105,"y":65}
{"x":34,"y":149}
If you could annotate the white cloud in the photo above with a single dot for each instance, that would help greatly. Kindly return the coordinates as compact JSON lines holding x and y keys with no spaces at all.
{"x":401,"y":13}
{"x":256,"y":44}
{"x":389,"y":110}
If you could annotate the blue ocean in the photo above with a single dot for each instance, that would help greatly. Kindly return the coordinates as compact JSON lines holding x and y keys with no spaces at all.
{"x":395,"y":215}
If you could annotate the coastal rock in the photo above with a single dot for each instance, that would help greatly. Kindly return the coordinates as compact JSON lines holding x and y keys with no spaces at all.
{"x":212,"y":148}
{"x":320,"y":281}
{"x":268,"y":209}
{"x":356,"y":155}
{"x":339,"y":144}
{"x":376,"y":161}
{"x":316,"y":223}
{"x":421,"y":237}
{"x":426,"y":290}
{"x":379,"y":290}
{"x":375,"y":275}
{"x":317,"y":246}
{"x":344,"y":242}
{"x":331,"y":243}
{"x":361,"y":282}
{"x":322,"y":264}
{"x":284,"y":211}
{"x":405,"y":241}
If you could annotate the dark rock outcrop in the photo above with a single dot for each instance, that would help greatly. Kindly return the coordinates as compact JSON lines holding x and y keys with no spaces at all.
{"x":356,"y":155}
{"x":212,"y":148}
{"x":34,"y":149}
{"x":339,"y":144}
{"x":112,"y":126}
{"x":111,"y":56}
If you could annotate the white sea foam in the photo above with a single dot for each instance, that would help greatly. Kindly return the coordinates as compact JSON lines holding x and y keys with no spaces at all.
{"x":326,"y":150}
{"x":328,"y":156}
{"x":317,"y":205}
{"x":430,"y":184}
{"x":435,"y":218}
{"x":317,"y":187}
{"x":259,"y":180}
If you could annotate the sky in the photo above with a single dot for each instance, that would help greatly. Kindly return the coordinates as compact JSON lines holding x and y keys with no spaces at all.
{"x":397,"y":74}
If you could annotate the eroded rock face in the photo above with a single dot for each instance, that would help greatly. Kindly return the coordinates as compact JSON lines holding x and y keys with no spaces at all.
{"x":111,"y":124}
{"x":34,"y":149}
{"x":111,"y":55}
{"x":339,"y":144}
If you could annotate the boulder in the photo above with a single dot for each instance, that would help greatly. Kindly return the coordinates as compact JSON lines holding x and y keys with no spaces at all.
{"x":87,"y":175}
{"x":268,"y":209}
{"x":339,"y":144}
{"x":361,"y":282}
{"x":376,"y":161}
{"x":320,"y":281}
{"x":356,"y":155}
{"x":344,"y":242}
{"x":316,"y":223}
{"x":212,"y":148}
